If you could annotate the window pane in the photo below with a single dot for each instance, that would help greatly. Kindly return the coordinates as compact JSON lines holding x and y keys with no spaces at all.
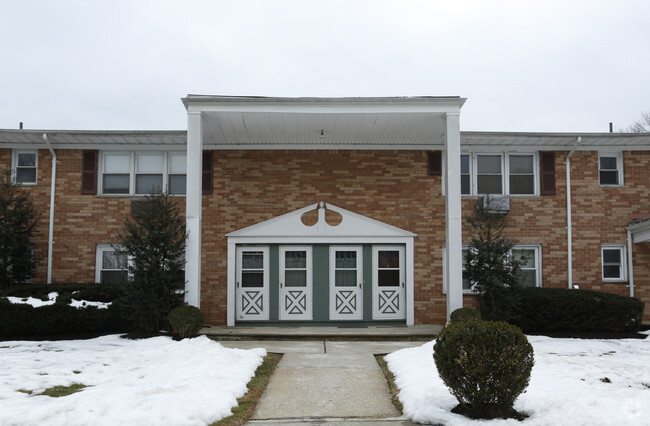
{"x":26,"y":175}
{"x":608,"y":163}
{"x":529,"y":254}
{"x":116,"y":163}
{"x":146,"y":184}
{"x":178,"y":164}
{"x":113,"y":277}
{"x":489,"y":185}
{"x":388,"y":259}
{"x":529,"y":278}
{"x":464,"y":185}
{"x":488,"y":164}
{"x":177,"y":184}
{"x":611,"y":271}
{"x":295,"y":278}
{"x":464,"y":164}
{"x":115,"y":184}
{"x":346,"y":278}
{"x":252,"y":279}
{"x":388,"y":278}
{"x":295,"y":259}
{"x":612,"y":256}
{"x":522,"y":184}
{"x":521,"y":164}
{"x":111,"y":260}
{"x":608,"y":177}
{"x":346,"y":259}
{"x":149,"y":163}
{"x":26,"y":160}
{"x":253,"y":260}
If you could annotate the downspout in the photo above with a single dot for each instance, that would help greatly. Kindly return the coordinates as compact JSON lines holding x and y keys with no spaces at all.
{"x":630,"y":263}
{"x":569,"y":227}
{"x":50,"y":238}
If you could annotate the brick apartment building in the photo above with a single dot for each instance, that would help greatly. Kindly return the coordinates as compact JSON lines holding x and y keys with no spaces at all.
{"x":320,"y":210}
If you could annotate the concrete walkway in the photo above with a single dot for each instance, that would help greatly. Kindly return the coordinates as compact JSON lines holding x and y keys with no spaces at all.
{"x":324,"y":382}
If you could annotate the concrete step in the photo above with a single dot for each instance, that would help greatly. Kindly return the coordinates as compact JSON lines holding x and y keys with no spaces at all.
{"x":424,"y":332}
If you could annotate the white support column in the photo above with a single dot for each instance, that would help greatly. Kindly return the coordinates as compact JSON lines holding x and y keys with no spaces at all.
{"x":193,"y":209}
{"x":453,"y":217}
{"x":230,"y":315}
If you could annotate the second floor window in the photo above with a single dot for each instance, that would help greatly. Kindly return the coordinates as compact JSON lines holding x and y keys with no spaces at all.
{"x":610,"y":169}
{"x":142,"y":173}
{"x":499,"y":174}
{"x":25,"y":165}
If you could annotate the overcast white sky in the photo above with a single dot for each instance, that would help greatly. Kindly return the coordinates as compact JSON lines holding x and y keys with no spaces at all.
{"x":545,"y":65}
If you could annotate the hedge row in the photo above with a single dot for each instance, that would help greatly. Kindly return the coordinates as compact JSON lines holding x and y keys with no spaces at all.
{"x":61,"y":318}
{"x":536,"y":310}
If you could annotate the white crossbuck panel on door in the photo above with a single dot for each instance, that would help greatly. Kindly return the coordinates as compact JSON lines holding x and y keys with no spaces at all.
{"x":295,"y":283}
{"x":388,"y":282}
{"x":346,"y":283}
{"x":252,"y":284}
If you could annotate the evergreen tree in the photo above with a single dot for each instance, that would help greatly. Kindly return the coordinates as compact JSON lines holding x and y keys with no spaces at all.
{"x":17,"y":223}
{"x":490,"y":265}
{"x":154,"y":241}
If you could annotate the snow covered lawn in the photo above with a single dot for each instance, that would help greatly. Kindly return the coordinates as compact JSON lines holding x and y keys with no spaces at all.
{"x":573,"y":382}
{"x":154,"y":381}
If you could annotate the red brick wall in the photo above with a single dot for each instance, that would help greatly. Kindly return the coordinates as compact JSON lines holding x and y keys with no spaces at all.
{"x":389,"y":186}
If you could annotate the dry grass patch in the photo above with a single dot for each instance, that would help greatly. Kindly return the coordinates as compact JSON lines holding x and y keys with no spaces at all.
{"x":247,"y":403}
{"x":390,"y":378}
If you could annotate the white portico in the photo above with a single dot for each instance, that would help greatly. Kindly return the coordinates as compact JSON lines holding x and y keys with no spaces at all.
{"x":254,"y":123}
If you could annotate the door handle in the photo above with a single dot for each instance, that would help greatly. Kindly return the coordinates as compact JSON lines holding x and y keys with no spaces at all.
{"x":402,"y":285}
{"x":237,"y":284}
{"x":280,"y":285}
{"x":361,"y":286}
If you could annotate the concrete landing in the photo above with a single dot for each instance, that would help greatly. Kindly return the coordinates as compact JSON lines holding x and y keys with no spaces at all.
{"x":327,"y":383}
{"x":424,"y":332}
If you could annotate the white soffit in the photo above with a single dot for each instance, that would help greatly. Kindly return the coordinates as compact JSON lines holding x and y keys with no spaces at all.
{"x":351,"y":225}
{"x":241,"y":122}
{"x":640,"y":230}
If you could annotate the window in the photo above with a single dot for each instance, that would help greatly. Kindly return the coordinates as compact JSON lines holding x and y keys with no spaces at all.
{"x":25,"y":165}
{"x":143,"y":172}
{"x":465,"y":175}
{"x":177,"y":181}
{"x":489,"y":175}
{"x":521,"y":178}
{"x":499,"y":174}
{"x":613,"y":258}
{"x":111,"y":267}
{"x":610,"y":167}
{"x":531,"y":269}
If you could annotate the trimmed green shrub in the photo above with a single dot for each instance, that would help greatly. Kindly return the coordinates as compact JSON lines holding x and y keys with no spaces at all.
{"x":540,"y":310}
{"x":60,"y":318}
{"x":486,"y":365}
{"x":464,"y":314}
{"x":186,"y":320}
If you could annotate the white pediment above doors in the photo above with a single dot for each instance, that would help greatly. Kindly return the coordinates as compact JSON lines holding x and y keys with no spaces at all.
{"x":351,"y":224}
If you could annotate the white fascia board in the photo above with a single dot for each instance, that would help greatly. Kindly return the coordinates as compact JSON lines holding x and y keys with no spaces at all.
{"x":320,"y":240}
{"x":313,"y":147}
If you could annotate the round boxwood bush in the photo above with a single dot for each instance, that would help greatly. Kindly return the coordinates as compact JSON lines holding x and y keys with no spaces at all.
{"x":464,"y":314}
{"x":186,"y":320}
{"x":486,"y":365}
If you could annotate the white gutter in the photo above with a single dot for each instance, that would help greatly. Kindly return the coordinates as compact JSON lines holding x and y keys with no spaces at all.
{"x":569,"y":226}
{"x":50,"y":241}
{"x":630,"y":263}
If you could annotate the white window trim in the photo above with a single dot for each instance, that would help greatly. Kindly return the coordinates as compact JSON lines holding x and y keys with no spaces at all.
{"x":14,"y":166}
{"x":101,"y":248}
{"x":619,"y":168}
{"x":505,"y":173}
{"x":538,"y":263}
{"x":166,"y":164}
{"x":622,"y":248}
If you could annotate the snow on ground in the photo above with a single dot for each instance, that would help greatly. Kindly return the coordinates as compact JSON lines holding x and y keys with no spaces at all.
{"x":37,"y":303}
{"x":155,"y":381}
{"x":566,"y":385}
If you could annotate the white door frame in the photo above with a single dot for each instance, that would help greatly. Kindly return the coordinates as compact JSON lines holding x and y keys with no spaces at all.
{"x":346,"y":303}
{"x":296,"y":302}
{"x":388,"y":302}
{"x":252,"y":304}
